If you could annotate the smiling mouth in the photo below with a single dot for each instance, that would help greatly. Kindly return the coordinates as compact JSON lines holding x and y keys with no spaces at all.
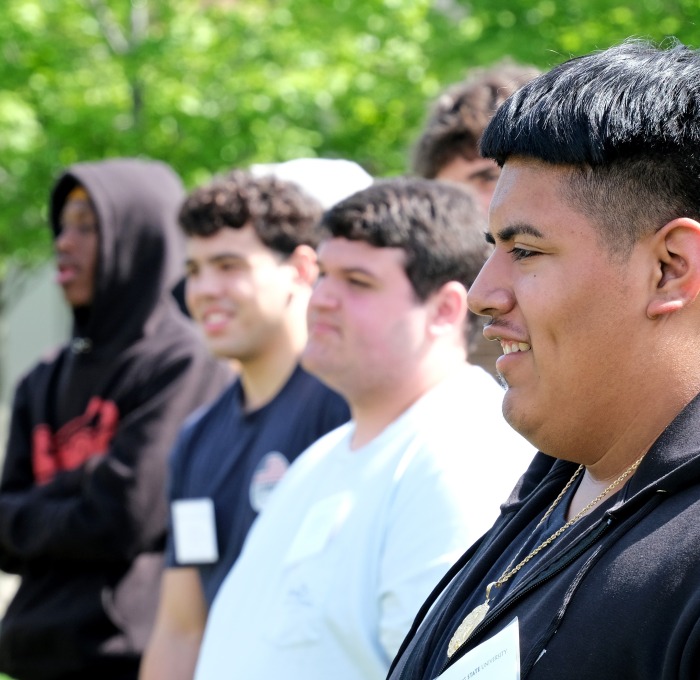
{"x":511,"y":347}
{"x":214,"y":318}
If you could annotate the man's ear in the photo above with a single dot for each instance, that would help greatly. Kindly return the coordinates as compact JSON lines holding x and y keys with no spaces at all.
{"x":677,"y":253}
{"x":303,"y":259}
{"x":448,"y":308}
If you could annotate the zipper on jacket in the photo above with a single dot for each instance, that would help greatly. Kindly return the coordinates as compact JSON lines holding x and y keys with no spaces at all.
{"x":544,"y":639}
{"x":567,"y":558}
{"x":571,"y":555}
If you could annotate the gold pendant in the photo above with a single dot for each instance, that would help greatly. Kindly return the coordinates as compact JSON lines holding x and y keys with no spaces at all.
{"x":466,"y":628}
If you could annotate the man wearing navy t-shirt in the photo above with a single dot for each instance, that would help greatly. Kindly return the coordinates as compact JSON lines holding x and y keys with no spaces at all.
{"x":250,"y":265}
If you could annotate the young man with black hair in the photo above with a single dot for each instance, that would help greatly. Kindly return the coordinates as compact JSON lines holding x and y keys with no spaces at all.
{"x":250,"y":266}
{"x":593,"y":289}
{"x":83,"y":510}
{"x":370,"y":516}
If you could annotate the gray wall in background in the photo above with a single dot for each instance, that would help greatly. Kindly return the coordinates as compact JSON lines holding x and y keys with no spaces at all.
{"x":34,"y":321}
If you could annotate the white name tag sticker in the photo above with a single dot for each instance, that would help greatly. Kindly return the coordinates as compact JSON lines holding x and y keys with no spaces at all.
{"x":496,"y":659}
{"x":194,"y":531}
{"x":321,"y":522}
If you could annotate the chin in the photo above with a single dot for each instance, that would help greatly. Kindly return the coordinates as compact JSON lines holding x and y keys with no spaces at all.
{"x":513,"y":415}
{"x":312,"y":360}
{"x":321,"y":371}
{"x":223,"y":351}
{"x":77,"y":299}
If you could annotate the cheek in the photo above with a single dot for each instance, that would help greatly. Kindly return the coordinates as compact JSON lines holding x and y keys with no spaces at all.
{"x":361,"y":332}
{"x":243,"y":291}
{"x":92,"y":253}
{"x":189,"y":298}
{"x":577,"y":334}
{"x":391,"y":335}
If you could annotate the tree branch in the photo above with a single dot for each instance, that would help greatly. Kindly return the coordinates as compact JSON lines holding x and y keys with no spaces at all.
{"x":114,"y":36}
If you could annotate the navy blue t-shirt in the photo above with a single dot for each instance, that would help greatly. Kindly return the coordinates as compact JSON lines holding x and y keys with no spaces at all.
{"x":236,"y":459}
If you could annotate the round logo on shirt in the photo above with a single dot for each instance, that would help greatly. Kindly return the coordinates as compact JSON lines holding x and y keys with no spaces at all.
{"x":271,"y":468}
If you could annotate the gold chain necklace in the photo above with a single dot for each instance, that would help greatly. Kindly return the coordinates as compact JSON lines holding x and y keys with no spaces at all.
{"x":477,"y":615}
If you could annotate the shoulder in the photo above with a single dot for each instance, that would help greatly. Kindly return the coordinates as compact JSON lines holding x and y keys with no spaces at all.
{"x":314,"y":458}
{"x":49,"y":362}
{"x":303,"y":384}
{"x":206,"y":420}
{"x":172,"y":336}
{"x":465,"y":414}
{"x":174,"y":353}
{"x":311,"y":403}
{"x":460,"y":443}
{"x":35,"y":380}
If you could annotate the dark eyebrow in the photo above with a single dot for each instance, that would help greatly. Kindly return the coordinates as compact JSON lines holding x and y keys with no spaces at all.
{"x":355,"y":271}
{"x":507,"y":233}
{"x":350,"y":271}
{"x":218,"y":258}
{"x":488,"y":173}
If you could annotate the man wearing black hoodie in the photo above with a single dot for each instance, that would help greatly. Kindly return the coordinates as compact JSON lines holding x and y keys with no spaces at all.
{"x":82,"y":500}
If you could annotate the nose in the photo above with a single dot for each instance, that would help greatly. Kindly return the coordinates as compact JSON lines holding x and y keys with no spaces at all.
{"x":491,"y":293}
{"x":202,"y":285}
{"x":64,"y":241}
{"x":323,"y":295}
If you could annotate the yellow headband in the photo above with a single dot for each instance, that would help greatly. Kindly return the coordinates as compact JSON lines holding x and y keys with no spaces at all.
{"x":77,"y":194}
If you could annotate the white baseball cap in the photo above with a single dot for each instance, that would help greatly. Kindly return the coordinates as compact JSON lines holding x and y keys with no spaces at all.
{"x":328,"y":180}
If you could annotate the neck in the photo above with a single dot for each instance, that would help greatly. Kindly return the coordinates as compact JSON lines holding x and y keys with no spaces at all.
{"x":591,"y":491}
{"x":373,"y":412}
{"x":631,"y":445}
{"x":265,"y":374}
{"x":626,"y":426}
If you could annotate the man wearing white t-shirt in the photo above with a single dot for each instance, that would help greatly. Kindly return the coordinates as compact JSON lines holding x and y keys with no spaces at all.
{"x":371,"y":516}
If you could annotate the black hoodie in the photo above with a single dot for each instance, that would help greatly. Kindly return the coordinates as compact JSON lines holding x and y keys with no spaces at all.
{"x":82,"y":500}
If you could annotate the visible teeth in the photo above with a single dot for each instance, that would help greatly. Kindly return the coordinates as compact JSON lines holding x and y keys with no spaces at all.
{"x":510,"y":347}
{"x":215,"y":317}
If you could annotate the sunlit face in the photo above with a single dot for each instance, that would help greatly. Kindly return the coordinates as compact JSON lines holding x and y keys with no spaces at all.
{"x":366,"y":326}
{"x":481,"y":174}
{"x":76,"y":248}
{"x":570,"y":318}
{"x":238,"y":291}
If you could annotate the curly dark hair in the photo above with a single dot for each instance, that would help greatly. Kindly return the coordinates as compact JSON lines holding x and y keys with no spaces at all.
{"x":462,"y":112}
{"x":282,"y":214}
{"x":438,"y":225}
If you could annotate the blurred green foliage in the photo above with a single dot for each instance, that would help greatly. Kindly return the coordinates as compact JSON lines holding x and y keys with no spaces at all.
{"x":210,"y":84}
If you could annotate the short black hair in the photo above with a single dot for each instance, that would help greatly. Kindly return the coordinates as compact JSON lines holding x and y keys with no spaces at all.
{"x":282,"y":214}
{"x":626,"y":121}
{"x":438,"y":225}
{"x":461,"y":113}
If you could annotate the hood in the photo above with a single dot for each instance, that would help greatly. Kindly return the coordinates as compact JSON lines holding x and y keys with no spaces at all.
{"x":141,"y":248}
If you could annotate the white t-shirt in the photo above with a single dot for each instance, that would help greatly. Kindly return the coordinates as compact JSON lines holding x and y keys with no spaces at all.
{"x":352,"y":542}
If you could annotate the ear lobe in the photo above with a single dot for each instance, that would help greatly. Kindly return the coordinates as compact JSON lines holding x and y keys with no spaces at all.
{"x":449,"y":308}
{"x":303,"y":259}
{"x":678,"y":258}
